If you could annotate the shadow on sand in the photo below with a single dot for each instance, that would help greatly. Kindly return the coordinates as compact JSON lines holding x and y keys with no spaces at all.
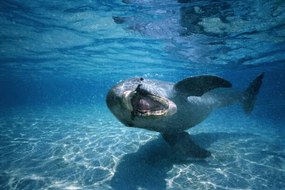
{"x":147,"y":168}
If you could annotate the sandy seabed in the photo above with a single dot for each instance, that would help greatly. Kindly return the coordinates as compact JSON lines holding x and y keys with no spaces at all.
{"x":83,"y":148}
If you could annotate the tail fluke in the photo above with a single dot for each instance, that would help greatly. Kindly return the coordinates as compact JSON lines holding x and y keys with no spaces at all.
{"x":249,"y":96}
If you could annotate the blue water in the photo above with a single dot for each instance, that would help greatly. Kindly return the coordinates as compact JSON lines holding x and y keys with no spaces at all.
{"x":59,"y":58}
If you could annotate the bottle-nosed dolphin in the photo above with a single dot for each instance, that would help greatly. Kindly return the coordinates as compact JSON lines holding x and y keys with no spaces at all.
{"x":171,"y":108}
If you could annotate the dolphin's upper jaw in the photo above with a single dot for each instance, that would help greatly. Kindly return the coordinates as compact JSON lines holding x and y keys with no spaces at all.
{"x":148,"y":105}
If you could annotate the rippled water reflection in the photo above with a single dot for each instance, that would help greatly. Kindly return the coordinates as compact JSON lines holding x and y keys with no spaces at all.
{"x":79,"y":150}
{"x":55,"y":36}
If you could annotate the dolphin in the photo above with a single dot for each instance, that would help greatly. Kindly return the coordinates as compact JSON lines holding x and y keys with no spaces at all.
{"x":172,"y":108}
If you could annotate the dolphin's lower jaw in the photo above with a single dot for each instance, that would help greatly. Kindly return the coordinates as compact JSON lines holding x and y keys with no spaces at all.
{"x":144,"y":106}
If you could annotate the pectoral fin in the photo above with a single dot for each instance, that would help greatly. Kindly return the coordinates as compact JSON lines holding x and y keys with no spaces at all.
{"x":198,"y":85}
{"x":183,"y":143}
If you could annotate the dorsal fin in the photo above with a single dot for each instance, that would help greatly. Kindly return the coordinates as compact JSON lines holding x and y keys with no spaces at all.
{"x":198,"y":85}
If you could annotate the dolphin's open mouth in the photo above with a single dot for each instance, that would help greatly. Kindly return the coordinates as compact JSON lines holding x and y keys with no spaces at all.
{"x":149,"y":105}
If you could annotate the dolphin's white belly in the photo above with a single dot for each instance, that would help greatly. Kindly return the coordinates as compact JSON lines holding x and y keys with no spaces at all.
{"x":190,"y":113}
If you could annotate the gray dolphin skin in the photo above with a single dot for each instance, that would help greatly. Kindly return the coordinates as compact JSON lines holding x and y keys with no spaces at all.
{"x":171,"y":108}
